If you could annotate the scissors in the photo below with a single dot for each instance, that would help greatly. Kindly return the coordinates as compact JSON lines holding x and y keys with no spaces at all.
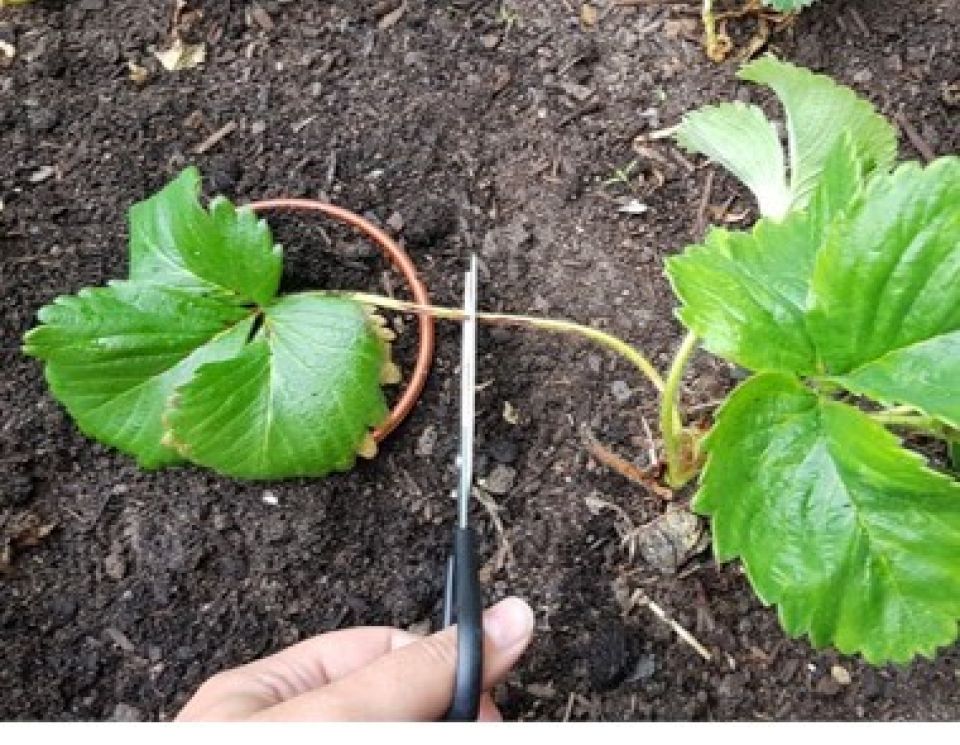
{"x":461,"y":599}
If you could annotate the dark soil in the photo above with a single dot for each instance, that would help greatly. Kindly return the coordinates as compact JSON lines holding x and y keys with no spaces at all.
{"x":484,"y":139}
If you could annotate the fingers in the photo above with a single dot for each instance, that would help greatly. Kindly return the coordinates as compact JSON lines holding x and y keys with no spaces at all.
{"x":488,"y":711}
{"x":415,"y":681}
{"x":243,"y":691}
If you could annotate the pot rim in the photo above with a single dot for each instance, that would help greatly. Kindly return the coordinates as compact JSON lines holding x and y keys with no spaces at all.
{"x":401,"y":261}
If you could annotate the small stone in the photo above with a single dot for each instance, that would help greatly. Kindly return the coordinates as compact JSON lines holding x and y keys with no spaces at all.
{"x":576,"y":91}
{"x":841,"y":675}
{"x":427,"y":441}
{"x":542,"y":690}
{"x":126,"y":713}
{"x":490,"y":41}
{"x":645,"y":668}
{"x":621,"y":391}
{"x":501,"y":78}
{"x":113,"y":564}
{"x":395,"y":222}
{"x":594,"y":363}
{"x":667,"y":542}
{"x":500,"y":480}
{"x":270,"y":498}
{"x":827,"y":686}
{"x":258,"y":127}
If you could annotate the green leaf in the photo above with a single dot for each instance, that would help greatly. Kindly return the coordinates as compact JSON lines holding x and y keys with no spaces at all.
{"x":885,"y":296}
{"x":298,"y":401}
{"x":115,"y":355}
{"x":819,"y":113}
{"x":925,"y":375}
{"x":741,"y":139}
{"x":853,"y":537}
{"x":863,"y":287}
{"x":225,"y":251}
{"x":744,"y":294}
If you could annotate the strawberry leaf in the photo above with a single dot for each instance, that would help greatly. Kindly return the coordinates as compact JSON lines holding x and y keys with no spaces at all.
{"x":745,"y":294}
{"x":741,"y":139}
{"x":297,"y":401}
{"x":853,"y":537}
{"x":116,"y":354}
{"x":266,"y":387}
{"x":819,"y":113}
{"x":224,"y":251}
{"x":885,"y":302}
{"x":863,"y":288}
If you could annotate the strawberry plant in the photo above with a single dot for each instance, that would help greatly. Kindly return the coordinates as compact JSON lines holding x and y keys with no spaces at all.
{"x":842,"y":302}
{"x":847,"y":293}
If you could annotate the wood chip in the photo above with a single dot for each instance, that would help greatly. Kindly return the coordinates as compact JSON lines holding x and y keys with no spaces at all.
{"x":213,"y":139}
{"x":181,"y":56}
{"x":7,"y":52}
{"x":43,"y":173}
{"x":260,"y":17}
{"x":915,"y":138}
{"x":391,"y":19}
{"x":138,"y":73}
{"x":841,"y":675}
{"x":588,"y":15}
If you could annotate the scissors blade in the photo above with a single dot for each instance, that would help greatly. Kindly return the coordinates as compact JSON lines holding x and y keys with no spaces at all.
{"x":468,"y":387}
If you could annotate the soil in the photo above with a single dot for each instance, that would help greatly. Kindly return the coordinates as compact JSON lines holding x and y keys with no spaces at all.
{"x":487,"y":132}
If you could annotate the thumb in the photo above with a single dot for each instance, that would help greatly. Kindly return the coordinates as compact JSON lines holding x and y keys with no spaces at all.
{"x":415,"y":682}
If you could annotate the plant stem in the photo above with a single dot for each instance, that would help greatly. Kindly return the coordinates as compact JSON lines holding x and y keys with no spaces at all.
{"x":893,"y":418}
{"x":709,"y":25}
{"x":602,"y":338}
{"x":671,"y":423}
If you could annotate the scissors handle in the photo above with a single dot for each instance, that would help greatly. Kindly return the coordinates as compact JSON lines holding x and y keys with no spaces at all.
{"x":462,"y":605}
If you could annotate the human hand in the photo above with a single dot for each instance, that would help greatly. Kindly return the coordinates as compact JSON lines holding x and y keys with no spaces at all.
{"x":364,"y":674}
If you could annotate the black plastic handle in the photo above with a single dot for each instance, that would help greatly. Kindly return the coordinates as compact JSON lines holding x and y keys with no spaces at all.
{"x":463,"y":606}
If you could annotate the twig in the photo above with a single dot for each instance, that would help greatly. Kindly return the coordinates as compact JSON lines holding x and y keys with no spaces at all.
{"x":640,"y":599}
{"x":591,"y":107}
{"x":651,"y":443}
{"x":647,"y":478}
{"x":700,"y":224}
{"x":505,"y":552}
{"x":915,"y":138}
{"x":213,"y":139}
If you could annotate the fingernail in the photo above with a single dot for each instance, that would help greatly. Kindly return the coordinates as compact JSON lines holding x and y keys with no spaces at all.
{"x":508,"y":623}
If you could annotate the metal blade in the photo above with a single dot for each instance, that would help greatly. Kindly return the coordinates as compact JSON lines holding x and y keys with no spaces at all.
{"x":468,"y":387}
